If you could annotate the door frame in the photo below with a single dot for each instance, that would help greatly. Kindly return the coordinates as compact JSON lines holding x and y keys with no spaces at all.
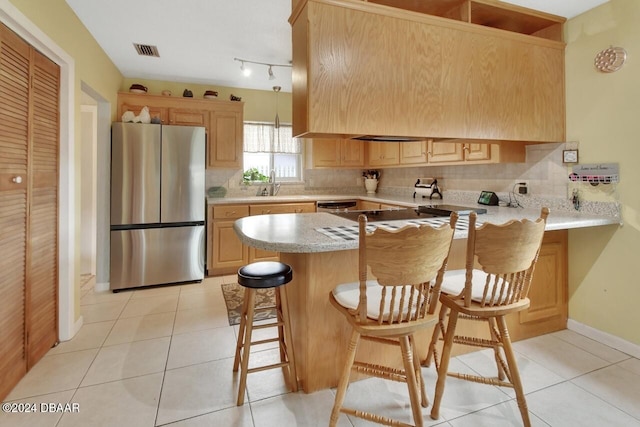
{"x":69,"y":321}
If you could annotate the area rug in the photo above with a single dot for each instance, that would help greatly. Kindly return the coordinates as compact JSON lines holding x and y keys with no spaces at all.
{"x":233,"y":296}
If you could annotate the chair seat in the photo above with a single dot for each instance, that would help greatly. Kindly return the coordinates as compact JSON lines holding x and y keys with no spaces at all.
{"x":453,"y":284}
{"x":348,"y":295}
{"x":264,"y":274}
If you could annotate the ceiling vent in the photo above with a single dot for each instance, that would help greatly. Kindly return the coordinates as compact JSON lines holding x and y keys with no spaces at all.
{"x":146,"y":50}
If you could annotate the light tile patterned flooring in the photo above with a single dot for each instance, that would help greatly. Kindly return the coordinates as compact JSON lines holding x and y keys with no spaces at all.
{"x":164,"y":356}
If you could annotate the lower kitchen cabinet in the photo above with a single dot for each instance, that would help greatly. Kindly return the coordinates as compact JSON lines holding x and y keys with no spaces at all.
{"x":226,"y":253}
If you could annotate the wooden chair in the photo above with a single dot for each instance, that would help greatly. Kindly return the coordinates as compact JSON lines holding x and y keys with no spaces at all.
{"x":500,"y":261}
{"x":408,"y":265}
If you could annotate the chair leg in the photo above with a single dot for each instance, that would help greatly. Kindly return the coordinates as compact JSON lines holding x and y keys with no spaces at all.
{"x":343,"y":383}
{"x":243,"y":324}
{"x":418,"y":369}
{"x":412,"y":381}
{"x":246,"y":349}
{"x":496,"y":348}
{"x":513,"y":370}
{"x":288,"y":342}
{"x":437,"y":330}
{"x":444,"y":364}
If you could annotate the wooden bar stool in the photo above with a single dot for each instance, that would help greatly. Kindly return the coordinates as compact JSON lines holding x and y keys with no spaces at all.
{"x":500,"y":262}
{"x":264,"y":275}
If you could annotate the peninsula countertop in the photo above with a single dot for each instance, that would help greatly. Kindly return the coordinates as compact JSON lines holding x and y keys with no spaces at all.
{"x":297,"y":233}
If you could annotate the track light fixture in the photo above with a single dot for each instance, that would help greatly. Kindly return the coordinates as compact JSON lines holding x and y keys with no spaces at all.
{"x":246,"y":71}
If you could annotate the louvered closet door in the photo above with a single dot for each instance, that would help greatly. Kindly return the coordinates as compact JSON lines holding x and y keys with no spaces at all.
{"x":42,"y":258}
{"x":14,"y":110}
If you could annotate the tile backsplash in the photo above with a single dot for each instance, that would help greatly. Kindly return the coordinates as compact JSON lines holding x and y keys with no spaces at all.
{"x":546,"y":175}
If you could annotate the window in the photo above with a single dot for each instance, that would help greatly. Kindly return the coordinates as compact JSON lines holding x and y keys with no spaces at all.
{"x":267,"y":148}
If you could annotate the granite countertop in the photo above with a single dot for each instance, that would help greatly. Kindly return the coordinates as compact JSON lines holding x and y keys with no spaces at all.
{"x":399,"y":200}
{"x":296,"y":233}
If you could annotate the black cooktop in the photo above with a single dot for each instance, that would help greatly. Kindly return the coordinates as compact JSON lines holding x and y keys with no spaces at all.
{"x":406,"y":214}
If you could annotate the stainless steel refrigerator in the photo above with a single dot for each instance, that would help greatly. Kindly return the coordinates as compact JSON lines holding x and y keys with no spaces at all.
{"x":157,"y":204}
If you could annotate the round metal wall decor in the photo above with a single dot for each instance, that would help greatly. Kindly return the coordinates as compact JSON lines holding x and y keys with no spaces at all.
{"x":610,"y":59}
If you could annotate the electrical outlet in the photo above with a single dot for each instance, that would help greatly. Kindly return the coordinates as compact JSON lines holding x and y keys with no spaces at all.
{"x":522,"y":187}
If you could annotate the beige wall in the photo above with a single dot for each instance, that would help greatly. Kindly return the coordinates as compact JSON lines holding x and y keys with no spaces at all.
{"x":603,"y":114}
{"x":56,"y":19}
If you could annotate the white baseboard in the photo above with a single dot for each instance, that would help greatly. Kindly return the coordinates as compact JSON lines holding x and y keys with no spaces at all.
{"x":75,"y":328}
{"x":102,"y":287}
{"x":605,"y":338}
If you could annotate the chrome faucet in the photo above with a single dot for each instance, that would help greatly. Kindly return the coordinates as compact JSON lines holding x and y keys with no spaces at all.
{"x":274,"y":187}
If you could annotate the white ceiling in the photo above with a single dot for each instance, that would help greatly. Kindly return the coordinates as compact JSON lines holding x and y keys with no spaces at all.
{"x":198,"y":39}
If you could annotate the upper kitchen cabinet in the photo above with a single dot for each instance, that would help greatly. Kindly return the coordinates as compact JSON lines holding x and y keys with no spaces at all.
{"x":332,"y":152}
{"x":468,"y":152}
{"x":361,"y":68}
{"x":223,"y":121}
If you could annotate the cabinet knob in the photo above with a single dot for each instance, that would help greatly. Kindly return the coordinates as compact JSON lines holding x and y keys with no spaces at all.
{"x":16,"y":180}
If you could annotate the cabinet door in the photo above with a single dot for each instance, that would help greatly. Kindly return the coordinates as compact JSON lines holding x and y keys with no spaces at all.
{"x":228,"y":251}
{"x":188,"y":117}
{"x":413,"y":152}
{"x":326,"y":152}
{"x":352,"y":153}
{"x":384,"y":153}
{"x":477,"y":152}
{"x":225,"y":139}
{"x":548,"y":287}
{"x":442,"y":152}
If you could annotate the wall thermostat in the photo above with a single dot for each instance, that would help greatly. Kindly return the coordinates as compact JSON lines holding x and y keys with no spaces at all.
{"x":488,"y":198}
{"x":569,"y":156}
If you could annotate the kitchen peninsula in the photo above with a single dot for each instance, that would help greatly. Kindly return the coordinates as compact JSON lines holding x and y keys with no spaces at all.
{"x":320,"y":263}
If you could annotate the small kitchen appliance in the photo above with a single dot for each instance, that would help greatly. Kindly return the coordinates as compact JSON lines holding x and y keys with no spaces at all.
{"x":427,"y":187}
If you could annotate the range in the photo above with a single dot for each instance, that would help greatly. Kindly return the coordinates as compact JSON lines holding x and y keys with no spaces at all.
{"x":422,"y":212}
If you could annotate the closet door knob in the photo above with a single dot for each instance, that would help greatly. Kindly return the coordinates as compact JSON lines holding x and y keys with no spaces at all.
{"x":16,"y":180}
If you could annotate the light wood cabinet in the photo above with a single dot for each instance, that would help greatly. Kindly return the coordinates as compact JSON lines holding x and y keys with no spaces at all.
{"x":466,"y":81}
{"x":383,"y":153}
{"x":223,"y":121}
{"x":465,"y":153}
{"x":225,"y":139}
{"x":333,"y":153}
{"x":414,"y":152}
{"x":225,"y":251}
{"x":189,"y":117}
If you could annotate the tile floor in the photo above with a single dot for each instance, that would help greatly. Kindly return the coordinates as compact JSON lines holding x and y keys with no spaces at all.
{"x":164,"y":356}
